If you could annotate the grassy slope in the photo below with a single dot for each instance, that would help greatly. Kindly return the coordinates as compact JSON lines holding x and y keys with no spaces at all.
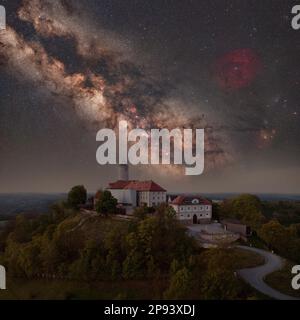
{"x":247,"y":259}
{"x":96,"y":227}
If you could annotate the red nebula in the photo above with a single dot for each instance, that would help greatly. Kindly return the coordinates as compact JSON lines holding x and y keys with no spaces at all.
{"x":237,"y":69}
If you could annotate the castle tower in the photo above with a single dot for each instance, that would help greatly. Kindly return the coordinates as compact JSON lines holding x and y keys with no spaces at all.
{"x":123,"y":172}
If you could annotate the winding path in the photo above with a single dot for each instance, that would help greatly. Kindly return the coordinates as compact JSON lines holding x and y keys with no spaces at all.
{"x":255,"y":276}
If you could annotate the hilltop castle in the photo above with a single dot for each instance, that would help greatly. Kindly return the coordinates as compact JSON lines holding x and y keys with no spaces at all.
{"x":134,"y":193}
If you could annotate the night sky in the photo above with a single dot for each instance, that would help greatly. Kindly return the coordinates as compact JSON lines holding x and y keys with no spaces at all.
{"x":69,"y":68}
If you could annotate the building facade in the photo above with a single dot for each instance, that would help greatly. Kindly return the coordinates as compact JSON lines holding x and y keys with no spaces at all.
{"x":138,"y":193}
{"x":192,"y":209}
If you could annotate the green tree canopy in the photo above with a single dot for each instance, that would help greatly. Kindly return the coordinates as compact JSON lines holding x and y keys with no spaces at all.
{"x":155,"y":242}
{"x":274,"y":234}
{"x":180,"y":285}
{"x":77,"y":196}
{"x":281,"y":239}
{"x":106,"y":203}
{"x":246,"y":207}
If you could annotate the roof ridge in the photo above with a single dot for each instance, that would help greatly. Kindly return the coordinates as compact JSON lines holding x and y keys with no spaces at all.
{"x":186,"y":199}
{"x":139,"y":185}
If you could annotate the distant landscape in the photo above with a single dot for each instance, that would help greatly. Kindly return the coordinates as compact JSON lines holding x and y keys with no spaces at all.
{"x":15,"y":203}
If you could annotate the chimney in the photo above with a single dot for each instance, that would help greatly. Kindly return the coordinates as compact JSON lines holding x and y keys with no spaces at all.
{"x":123,"y":172}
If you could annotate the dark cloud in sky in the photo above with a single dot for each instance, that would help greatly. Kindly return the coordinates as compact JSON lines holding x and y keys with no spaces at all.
{"x":155,"y":64}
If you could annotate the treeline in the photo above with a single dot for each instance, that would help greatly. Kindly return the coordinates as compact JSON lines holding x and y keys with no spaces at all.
{"x":286,"y":212}
{"x":247,"y":208}
{"x":54,"y":245}
{"x":153,"y":248}
{"x":283,"y":240}
{"x":262,"y":217}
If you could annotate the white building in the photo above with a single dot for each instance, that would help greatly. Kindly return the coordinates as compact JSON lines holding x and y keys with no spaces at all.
{"x":137,"y":193}
{"x":192,"y":209}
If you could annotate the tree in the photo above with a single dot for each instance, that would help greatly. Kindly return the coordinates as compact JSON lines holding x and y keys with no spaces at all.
{"x":215,"y":211}
{"x":154,"y":243}
{"x":218,"y":281}
{"x":106,"y":203}
{"x":294,"y":229}
{"x":180,"y":285}
{"x":114,"y":244}
{"x":77,"y":196}
{"x":91,"y":263}
{"x":275,"y":235}
{"x":60,"y":211}
{"x":246,"y":207}
{"x":23,"y":229}
{"x":280,"y":239}
{"x":142,"y":212}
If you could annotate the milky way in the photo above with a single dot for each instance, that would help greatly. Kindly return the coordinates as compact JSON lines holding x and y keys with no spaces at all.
{"x":157,"y":73}
{"x":103,"y":99}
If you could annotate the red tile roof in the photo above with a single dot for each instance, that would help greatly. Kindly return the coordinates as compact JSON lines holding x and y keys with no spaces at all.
{"x":188,"y":200}
{"x":137,"y":185}
{"x":120,"y":184}
{"x":144,"y":186}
